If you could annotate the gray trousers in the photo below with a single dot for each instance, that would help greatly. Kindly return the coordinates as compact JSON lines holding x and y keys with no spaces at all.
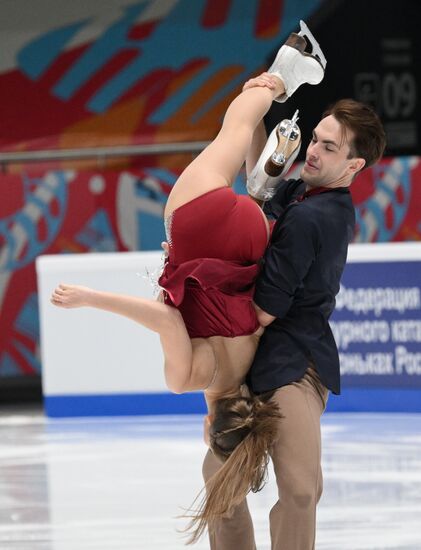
{"x":296,"y":457}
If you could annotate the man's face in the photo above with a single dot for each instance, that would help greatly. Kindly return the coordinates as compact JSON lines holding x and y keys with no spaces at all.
{"x":327,"y":163}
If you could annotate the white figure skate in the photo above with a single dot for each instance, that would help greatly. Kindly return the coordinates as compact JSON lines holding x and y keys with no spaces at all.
{"x":294,"y":66}
{"x":280,"y":151}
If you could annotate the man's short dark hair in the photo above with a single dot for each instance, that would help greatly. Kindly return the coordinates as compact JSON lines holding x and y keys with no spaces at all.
{"x":369,"y":137}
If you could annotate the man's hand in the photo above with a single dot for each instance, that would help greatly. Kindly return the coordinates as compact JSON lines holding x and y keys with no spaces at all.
{"x":264,"y":80}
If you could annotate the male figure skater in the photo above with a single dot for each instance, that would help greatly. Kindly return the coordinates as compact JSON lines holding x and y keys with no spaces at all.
{"x":295,"y":294}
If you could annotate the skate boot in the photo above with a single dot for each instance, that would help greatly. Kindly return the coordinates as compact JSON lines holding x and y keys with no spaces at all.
{"x":294,"y":66}
{"x":280,"y":151}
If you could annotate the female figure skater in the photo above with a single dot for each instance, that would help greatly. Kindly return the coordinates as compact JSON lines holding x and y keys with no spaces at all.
{"x":207,"y":324}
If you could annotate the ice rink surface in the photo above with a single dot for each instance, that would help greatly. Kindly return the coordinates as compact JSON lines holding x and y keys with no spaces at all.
{"x":120,"y":483}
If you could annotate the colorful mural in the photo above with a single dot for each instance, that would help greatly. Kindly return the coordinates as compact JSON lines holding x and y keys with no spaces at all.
{"x":67,"y":212}
{"x":148,"y":71}
{"x":152,"y":71}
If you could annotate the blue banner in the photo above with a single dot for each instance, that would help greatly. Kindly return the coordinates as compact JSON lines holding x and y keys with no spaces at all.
{"x":377,"y":325}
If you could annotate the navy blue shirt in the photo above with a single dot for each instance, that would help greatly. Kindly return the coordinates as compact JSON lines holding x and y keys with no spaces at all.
{"x":300,"y":278}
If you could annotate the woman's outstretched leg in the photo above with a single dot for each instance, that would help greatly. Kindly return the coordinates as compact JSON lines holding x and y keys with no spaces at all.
{"x":187,"y":368}
{"x":218,"y":164}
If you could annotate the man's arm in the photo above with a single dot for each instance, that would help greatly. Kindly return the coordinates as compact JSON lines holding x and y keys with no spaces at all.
{"x":288,"y":259}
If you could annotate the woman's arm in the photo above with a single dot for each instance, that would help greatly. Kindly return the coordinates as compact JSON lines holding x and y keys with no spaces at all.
{"x":187,"y":367}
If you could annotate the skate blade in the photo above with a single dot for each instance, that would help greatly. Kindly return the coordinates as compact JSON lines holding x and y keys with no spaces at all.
{"x":316,"y":50}
{"x":280,"y":157}
{"x":290,"y":131}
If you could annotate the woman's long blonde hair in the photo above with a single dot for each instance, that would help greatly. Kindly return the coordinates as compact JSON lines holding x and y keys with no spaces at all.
{"x":241,"y":434}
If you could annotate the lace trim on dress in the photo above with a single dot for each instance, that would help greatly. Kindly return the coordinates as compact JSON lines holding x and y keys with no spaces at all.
{"x":168,"y":222}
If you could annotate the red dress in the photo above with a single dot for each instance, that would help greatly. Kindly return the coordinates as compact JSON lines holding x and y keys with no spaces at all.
{"x":216,"y":242}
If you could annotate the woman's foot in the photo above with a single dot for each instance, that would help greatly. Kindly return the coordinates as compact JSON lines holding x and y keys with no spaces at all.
{"x":294,"y":66}
{"x":280,"y":151}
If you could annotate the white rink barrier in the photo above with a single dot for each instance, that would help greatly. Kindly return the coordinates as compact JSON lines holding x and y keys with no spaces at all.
{"x":94,"y":362}
{"x":97,"y":363}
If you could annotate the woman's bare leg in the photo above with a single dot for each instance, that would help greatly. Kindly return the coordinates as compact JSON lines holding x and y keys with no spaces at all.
{"x":187,"y":367}
{"x":218,"y":164}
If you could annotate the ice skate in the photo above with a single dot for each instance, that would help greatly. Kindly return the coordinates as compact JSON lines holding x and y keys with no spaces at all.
{"x":280,"y":151}
{"x":294,"y":66}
